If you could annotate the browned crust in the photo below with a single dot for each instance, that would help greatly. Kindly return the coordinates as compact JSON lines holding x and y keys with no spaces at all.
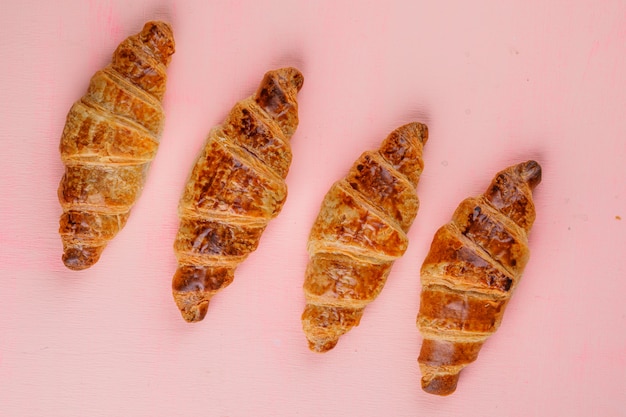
{"x":110,"y":137}
{"x":235,"y":188}
{"x":360,"y":230}
{"x":473,"y":266}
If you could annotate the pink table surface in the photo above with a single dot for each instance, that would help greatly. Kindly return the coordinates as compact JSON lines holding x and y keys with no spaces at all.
{"x":497,"y":83}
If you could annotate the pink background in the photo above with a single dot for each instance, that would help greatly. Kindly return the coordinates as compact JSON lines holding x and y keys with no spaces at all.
{"x":497,"y":83}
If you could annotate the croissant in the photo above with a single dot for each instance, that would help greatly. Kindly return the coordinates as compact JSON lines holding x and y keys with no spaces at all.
{"x":359,"y":232}
{"x":110,"y":137}
{"x":473,"y":266}
{"x":235,"y":188}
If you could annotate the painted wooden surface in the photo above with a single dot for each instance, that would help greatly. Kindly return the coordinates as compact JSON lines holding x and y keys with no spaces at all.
{"x":497,"y":83}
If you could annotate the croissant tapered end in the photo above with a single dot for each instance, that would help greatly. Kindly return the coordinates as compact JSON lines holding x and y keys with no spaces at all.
{"x":530,"y":172}
{"x":415,"y":129}
{"x":324,"y":325}
{"x":194,"y":286}
{"x":403,"y":149}
{"x":320,"y":339}
{"x":440,"y":384}
{"x":322,"y":345}
{"x":81,"y":256}
{"x":277,"y":96}
{"x":288,"y":78}
{"x":159,"y":37}
{"x":142,"y":58}
{"x":193,"y":306}
{"x":511,"y":191}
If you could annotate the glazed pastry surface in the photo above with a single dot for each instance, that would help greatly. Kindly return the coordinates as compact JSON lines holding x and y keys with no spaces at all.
{"x":473,"y":266}
{"x":359,"y":232}
{"x":110,"y":137}
{"x":235,"y":188}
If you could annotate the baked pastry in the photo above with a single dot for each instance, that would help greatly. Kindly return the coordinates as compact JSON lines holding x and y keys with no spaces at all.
{"x":474,"y":264}
{"x":359,"y":232}
{"x":110,"y":137}
{"x":235,"y":188}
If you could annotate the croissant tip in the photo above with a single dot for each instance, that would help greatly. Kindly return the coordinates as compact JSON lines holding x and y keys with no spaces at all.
{"x":195,"y":313}
{"x":293,"y":75}
{"x":193,"y":307}
{"x":423,"y":131}
{"x":78,"y":258}
{"x":530,"y":171}
{"x":288,"y":77}
{"x":414,"y":129}
{"x":160,"y":23}
{"x":297,"y":78}
{"x":159,"y":37}
{"x":322,"y":346}
{"x":440,"y":384}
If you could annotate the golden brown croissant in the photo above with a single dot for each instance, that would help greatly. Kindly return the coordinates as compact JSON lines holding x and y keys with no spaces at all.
{"x":474,"y":264}
{"x":111,"y":135}
{"x":359,"y":232}
{"x":235,"y":188}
